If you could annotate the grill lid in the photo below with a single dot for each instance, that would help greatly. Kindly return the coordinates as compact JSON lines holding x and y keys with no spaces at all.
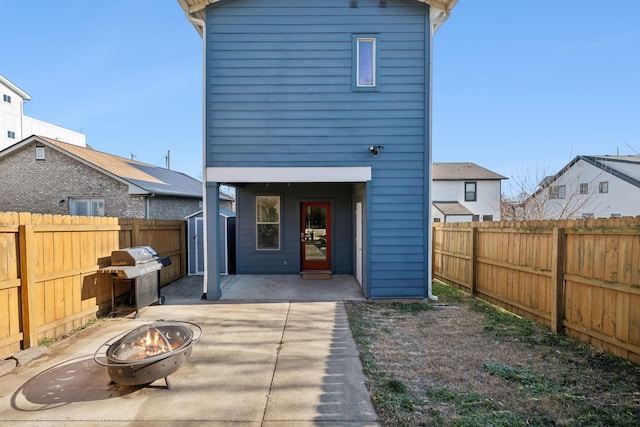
{"x":133,"y":256}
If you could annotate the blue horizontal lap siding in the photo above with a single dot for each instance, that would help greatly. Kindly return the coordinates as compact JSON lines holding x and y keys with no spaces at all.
{"x":279,"y":91}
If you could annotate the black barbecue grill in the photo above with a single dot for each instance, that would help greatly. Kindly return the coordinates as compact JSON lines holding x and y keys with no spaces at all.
{"x":140,"y":265}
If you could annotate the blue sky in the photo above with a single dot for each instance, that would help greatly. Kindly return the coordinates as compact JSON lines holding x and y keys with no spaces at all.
{"x":517,"y":88}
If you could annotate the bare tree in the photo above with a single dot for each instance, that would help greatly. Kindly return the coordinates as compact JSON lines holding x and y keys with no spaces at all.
{"x":537,"y":195}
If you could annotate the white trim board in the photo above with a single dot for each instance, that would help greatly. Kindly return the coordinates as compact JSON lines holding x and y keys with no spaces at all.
{"x":288,"y":174}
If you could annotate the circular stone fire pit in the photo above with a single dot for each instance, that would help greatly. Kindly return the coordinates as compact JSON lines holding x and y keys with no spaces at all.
{"x":149,"y":352}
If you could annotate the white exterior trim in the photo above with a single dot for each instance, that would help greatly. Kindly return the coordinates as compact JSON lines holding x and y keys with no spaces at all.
{"x":288,"y":174}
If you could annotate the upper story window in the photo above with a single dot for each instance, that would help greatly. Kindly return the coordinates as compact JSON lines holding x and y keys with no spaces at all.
{"x":11,"y":134}
{"x":40,"y":154}
{"x":365,"y":55}
{"x":86,"y":207}
{"x":584,"y":188}
{"x":604,"y":187}
{"x":558,"y":192}
{"x":470,"y":191}
{"x":6,"y":98}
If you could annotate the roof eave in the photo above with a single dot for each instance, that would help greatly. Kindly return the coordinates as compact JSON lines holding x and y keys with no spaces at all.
{"x":439,"y":10}
{"x":15,"y":88}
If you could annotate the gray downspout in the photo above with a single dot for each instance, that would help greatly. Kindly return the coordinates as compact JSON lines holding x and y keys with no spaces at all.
{"x":205,"y":277}
{"x":429,"y":162}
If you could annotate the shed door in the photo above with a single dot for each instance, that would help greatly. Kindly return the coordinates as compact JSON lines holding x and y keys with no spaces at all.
{"x":315,"y":236}
{"x":199,"y":245}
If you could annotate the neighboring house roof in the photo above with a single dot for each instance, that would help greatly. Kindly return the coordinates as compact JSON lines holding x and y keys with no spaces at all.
{"x":142,"y":178}
{"x":14,"y":88}
{"x":463,"y":171}
{"x":440,"y":10}
{"x":452,"y":208}
{"x":609,"y":164}
{"x":225,"y":196}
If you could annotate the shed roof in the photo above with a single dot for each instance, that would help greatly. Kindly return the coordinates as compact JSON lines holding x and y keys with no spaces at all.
{"x":462,"y":171}
{"x":439,"y":12}
{"x":142,"y":178}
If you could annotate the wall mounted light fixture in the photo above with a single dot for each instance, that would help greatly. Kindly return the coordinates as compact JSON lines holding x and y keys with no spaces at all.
{"x":375,"y":149}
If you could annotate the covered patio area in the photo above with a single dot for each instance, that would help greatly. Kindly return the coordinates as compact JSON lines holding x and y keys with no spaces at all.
{"x":256,"y":288}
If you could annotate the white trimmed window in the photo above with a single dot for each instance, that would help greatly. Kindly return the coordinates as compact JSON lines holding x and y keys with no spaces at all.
{"x":6,"y":98}
{"x":11,"y":134}
{"x":86,"y":207}
{"x":268,"y":222}
{"x":365,"y":62}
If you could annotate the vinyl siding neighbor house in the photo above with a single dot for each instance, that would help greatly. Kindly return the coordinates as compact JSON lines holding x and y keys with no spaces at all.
{"x":589,"y":187}
{"x":15,"y":125}
{"x":464,"y":192}
{"x":318,"y":112}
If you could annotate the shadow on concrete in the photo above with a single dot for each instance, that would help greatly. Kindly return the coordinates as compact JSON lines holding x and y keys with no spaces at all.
{"x":76,"y":380}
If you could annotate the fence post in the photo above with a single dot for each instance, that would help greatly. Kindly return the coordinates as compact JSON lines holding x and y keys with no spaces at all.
{"x":28,"y":285}
{"x":474,"y":263}
{"x":557,"y":279}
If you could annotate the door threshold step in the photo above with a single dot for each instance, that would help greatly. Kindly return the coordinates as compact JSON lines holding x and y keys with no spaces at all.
{"x":315,"y":275}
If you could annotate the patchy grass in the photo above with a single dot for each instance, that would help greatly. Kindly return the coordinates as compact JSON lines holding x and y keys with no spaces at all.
{"x":49,"y":341}
{"x":469,"y":363}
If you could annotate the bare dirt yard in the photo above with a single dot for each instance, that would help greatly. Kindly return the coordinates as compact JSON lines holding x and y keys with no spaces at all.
{"x":468,"y":363}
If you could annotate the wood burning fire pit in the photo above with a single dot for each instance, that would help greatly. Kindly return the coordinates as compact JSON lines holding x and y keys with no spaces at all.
{"x":149,"y":352}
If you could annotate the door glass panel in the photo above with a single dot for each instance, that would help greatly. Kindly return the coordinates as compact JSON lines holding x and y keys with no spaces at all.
{"x":315,"y":233}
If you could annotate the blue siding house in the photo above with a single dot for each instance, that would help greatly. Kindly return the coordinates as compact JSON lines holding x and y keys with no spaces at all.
{"x":319,"y":113}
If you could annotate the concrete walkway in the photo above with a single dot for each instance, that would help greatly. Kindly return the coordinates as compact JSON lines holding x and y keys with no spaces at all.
{"x":257,"y":364}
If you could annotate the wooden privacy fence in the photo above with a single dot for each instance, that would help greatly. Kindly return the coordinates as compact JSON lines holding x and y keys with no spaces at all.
{"x":49,"y":283}
{"x":577,"y":276}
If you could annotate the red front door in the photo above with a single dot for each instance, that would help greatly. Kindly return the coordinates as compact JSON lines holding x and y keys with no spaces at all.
{"x":315,"y":236}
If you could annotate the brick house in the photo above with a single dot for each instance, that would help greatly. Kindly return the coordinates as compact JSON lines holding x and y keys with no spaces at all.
{"x":44,"y":175}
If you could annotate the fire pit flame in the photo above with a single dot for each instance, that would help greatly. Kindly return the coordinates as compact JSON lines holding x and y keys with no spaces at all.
{"x":151,"y":344}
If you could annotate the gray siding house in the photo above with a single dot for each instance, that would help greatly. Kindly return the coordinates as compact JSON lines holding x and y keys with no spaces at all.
{"x":318,"y":112}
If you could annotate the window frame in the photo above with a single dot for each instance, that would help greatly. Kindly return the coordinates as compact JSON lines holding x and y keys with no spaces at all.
{"x":6,"y":98}
{"x":583,"y":188}
{"x":375,"y":67}
{"x":90,"y":206}
{"x":558,"y":192}
{"x":603,"y":187}
{"x":277,"y":224}
{"x":471,"y":196}
{"x":11,"y":134}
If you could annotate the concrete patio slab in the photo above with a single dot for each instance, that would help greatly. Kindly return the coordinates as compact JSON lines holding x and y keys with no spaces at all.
{"x":253,"y":366}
